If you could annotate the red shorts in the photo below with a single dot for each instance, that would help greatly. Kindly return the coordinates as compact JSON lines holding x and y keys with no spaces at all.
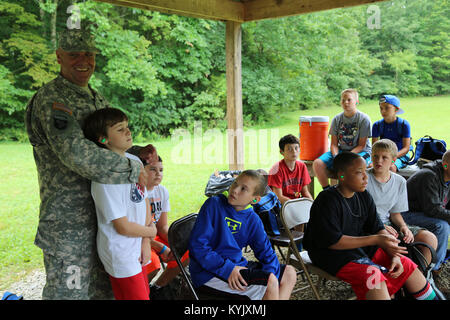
{"x":131,"y":288}
{"x":364,"y":277}
{"x":155,"y":263}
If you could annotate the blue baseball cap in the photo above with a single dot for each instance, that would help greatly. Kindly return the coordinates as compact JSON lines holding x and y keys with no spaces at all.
{"x":387,"y":98}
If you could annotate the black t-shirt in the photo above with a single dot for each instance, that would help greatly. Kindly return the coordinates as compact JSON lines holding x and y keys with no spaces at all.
{"x":330,"y":219}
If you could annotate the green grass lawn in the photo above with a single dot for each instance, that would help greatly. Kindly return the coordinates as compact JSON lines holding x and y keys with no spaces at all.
{"x":189,"y":160}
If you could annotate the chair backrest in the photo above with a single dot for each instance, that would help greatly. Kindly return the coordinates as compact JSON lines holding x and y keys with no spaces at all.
{"x":178,"y":236}
{"x":296,"y":211}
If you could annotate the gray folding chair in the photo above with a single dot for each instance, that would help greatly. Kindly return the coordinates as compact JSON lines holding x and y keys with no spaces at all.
{"x":293,"y":213}
{"x":179,"y":232}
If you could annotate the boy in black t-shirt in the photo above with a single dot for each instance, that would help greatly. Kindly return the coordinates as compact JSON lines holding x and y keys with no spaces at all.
{"x":346,"y":238}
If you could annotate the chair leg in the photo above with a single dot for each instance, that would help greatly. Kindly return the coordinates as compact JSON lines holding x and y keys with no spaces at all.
{"x":281,"y":254}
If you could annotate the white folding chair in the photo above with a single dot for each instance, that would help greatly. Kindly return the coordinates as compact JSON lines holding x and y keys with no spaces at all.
{"x":293,"y":213}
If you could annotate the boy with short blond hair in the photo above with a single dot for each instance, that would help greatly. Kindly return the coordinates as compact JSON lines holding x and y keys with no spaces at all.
{"x":389,"y":193}
{"x":224,"y":226}
{"x":394,"y":128}
{"x":350,"y":131}
{"x":289,"y":177}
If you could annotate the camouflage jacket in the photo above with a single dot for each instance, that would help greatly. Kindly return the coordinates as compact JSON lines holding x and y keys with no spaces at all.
{"x":66,"y":162}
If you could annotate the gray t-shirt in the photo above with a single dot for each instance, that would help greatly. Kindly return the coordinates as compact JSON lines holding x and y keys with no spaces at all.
{"x":389,"y":197}
{"x":350,"y":130}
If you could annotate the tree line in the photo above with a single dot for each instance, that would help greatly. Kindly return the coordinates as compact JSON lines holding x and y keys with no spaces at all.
{"x":167,"y":71}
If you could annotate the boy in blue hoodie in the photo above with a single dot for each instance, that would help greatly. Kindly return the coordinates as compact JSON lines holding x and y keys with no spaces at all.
{"x":225,"y":225}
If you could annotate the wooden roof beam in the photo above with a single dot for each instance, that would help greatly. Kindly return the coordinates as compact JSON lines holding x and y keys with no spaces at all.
{"x":224,"y":10}
{"x":269,"y":9}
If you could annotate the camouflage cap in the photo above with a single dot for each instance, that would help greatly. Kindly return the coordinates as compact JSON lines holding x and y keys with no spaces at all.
{"x":77,"y":40}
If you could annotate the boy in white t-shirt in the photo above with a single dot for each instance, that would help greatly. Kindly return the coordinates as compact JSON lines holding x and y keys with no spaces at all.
{"x":123,"y":212}
{"x":389,"y":193}
{"x":160,"y":206}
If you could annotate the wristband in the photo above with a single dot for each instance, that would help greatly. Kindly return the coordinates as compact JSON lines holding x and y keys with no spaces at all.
{"x":162,"y":250}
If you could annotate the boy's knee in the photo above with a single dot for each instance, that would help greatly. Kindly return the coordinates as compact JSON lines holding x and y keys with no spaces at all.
{"x":427,"y":237}
{"x":289,"y":274}
{"x":272,"y":283}
{"x":318,"y":163}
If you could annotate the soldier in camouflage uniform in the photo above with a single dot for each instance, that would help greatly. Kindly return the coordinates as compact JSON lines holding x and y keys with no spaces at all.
{"x":66,"y":162}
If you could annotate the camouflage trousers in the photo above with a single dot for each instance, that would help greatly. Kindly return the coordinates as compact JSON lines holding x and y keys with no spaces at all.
{"x":75,"y":273}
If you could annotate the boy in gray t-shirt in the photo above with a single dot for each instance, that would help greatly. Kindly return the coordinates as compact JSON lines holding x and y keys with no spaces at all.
{"x":390,"y":195}
{"x":350,"y":130}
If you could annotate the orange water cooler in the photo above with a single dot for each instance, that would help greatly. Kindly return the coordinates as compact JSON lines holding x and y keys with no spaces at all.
{"x":313,"y":136}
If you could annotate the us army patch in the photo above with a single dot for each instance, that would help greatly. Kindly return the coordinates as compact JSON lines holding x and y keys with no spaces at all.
{"x":62,"y":119}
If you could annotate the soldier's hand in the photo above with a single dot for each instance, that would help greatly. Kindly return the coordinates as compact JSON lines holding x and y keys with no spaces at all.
{"x":149,"y":154}
{"x":143,"y":177}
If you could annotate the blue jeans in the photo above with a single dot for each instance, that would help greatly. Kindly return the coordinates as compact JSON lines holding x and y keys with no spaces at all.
{"x":439,"y":227}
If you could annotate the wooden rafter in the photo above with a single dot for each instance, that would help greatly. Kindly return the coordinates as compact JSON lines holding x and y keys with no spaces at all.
{"x":224,"y":10}
{"x":238,"y":11}
{"x":268,"y":9}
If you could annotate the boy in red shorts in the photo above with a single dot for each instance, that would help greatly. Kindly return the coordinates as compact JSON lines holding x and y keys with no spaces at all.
{"x":160,"y":206}
{"x":346,"y":238}
{"x":123,"y":212}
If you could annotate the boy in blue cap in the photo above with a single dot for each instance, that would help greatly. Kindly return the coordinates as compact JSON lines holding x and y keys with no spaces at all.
{"x":393,"y":128}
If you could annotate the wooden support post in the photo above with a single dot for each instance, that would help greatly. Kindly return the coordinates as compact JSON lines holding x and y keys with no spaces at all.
{"x":234,"y":96}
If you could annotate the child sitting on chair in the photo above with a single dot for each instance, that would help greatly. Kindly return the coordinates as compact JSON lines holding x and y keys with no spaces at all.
{"x":389,"y":193}
{"x":289,"y":177}
{"x":224,"y":226}
{"x":393,"y":128}
{"x":346,"y":238}
{"x":350,"y":131}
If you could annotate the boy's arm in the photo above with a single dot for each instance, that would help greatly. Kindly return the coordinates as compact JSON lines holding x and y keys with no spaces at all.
{"x":200,"y":247}
{"x":279,"y":194}
{"x":334,"y":148}
{"x":382,"y":239}
{"x":305,"y":193}
{"x":132,"y":229}
{"x":429,"y":199}
{"x":365,"y":131}
{"x":78,"y":153}
{"x":406,"y":142}
{"x":361,"y":145}
{"x":397,"y":220}
{"x":262,"y":248}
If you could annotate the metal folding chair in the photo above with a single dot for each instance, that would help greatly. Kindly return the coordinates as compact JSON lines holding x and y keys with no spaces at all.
{"x":179,"y":232}
{"x":293,"y":213}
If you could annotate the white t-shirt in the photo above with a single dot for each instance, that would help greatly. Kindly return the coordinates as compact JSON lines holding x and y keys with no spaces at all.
{"x":159,"y":201}
{"x":119,"y":254}
{"x":389,"y":197}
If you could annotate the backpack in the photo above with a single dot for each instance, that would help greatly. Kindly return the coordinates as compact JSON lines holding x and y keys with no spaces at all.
{"x":429,"y":148}
{"x":220,"y":181}
{"x":415,"y":254}
{"x":269,"y":211}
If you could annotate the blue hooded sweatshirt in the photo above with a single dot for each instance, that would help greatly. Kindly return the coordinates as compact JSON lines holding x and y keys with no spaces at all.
{"x":218,"y":237}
